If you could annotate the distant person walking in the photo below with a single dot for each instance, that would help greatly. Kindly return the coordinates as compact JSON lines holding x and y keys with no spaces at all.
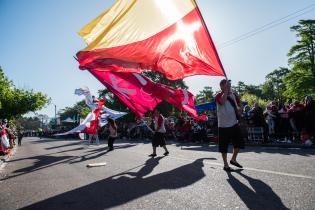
{"x":228,"y":107}
{"x":112,"y":133}
{"x":20,"y":136}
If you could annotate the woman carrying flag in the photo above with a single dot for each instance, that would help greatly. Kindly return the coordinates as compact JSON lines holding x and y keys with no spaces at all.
{"x":159,"y":132}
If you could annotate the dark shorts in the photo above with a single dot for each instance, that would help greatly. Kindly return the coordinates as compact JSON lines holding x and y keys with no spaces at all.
{"x":158,"y":139}
{"x":230,"y":134}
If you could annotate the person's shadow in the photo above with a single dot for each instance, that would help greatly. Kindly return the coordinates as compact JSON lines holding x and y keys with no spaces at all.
{"x":147,"y":168}
{"x":124,"y":187}
{"x":261,"y":197}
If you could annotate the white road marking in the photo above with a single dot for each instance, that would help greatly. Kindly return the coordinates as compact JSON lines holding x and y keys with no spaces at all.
{"x":251,"y":169}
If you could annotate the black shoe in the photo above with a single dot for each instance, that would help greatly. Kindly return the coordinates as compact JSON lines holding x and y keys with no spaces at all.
{"x":152,"y":155}
{"x":110,"y":149}
{"x":235,"y":164}
{"x":166,"y":153}
{"x":228,"y":169}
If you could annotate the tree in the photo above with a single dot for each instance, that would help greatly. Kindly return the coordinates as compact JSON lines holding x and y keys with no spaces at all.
{"x":80,"y":109}
{"x":299,"y":83}
{"x":251,"y":99}
{"x":274,"y":86}
{"x":301,"y":80}
{"x":304,"y":50}
{"x":16,"y":102}
{"x":28,"y":123}
{"x":241,"y":88}
{"x":204,"y":96}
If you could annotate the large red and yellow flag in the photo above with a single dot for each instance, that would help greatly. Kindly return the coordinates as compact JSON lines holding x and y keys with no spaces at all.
{"x":168,"y":36}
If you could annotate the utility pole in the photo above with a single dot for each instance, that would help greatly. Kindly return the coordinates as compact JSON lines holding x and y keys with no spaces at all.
{"x":55,"y":115}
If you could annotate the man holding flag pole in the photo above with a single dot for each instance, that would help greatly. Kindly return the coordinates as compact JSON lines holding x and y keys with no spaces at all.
{"x":228,"y":107}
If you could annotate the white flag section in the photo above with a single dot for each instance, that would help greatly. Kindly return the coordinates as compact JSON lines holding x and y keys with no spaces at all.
{"x":81,"y":128}
{"x":88,"y":97}
{"x":98,"y":117}
{"x":109,"y":113}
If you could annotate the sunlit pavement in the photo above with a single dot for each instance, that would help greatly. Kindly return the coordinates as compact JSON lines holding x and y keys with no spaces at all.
{"x":52,"y":174}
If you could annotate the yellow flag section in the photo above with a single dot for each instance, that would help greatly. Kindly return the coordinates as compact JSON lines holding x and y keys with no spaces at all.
{"x":130,"y":21}
{"x":168,"y":36}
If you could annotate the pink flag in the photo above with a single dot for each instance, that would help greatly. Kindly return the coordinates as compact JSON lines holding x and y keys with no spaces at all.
{"x":141,"y":94}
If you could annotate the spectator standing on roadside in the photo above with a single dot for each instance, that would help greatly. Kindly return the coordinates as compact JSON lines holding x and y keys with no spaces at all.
{"x":296,"y":114}
{"x":284,"y":123}
{"x":309,"y":113}
{"x":20,"y":136}
{"x":257,"y":116}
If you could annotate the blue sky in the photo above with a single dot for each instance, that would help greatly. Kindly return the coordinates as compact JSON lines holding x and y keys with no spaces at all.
{"x":38,"y":40}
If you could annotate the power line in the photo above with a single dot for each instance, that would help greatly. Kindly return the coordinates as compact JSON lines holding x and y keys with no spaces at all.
{"x":267,"y":26}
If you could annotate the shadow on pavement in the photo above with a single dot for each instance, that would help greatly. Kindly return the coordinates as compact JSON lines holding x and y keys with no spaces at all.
{"x":256,"y":149}
{"x":261,"y":197}
{"x":41,"y":162}
{"x":92,"y":154}
{"x":49,"y":160}
{"x":125,"y":187}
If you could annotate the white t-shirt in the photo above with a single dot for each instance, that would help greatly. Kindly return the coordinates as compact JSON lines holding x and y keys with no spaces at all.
{"x":112,"y":131}
{"x":225,"y":111}
{"x":162,"y":128}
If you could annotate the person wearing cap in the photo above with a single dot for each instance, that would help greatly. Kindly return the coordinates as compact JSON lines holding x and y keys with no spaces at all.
{"x":228,"y":113}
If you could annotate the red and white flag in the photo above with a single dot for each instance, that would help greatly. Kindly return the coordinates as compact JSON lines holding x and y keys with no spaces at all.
{"x":141,"y":94}
{"x":168,"y":36}
{"x":89,"y":124}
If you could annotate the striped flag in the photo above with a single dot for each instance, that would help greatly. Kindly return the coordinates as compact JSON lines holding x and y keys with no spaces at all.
{"x":168,"y":36}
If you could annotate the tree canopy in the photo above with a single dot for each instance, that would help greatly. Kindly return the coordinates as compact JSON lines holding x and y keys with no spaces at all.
{"x":15,"y":102}
{"x":295,"y":82}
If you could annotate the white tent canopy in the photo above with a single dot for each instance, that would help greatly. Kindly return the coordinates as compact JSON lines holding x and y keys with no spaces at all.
{"x":69,"y":120}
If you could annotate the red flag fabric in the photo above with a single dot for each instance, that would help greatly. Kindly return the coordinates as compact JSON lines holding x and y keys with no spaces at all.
{"x":141,"y":94}
{"x":92,"y":128}
{"x":168,"y":36}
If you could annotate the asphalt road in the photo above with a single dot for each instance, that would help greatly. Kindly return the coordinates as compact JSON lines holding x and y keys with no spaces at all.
{"x":52,"y":174}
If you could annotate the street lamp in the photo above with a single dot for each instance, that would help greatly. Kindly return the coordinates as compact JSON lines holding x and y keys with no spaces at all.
{"x":55,"y":113}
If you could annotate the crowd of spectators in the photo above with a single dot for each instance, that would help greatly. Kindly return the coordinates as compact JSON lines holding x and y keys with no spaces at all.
{"x":294,"y":122}
{"x":8,"y":137}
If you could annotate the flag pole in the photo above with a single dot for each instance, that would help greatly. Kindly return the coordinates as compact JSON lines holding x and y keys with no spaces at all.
{"x":210,"y":39}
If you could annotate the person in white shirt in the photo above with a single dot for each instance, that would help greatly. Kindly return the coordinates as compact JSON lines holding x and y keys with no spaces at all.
{"x":159,"y":132}
{"x":228,"y":108}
